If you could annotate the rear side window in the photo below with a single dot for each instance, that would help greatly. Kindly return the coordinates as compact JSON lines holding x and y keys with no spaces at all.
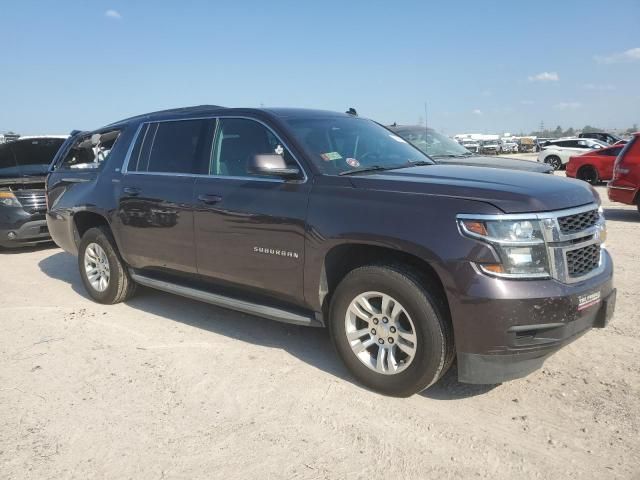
{"x":180,"y":146}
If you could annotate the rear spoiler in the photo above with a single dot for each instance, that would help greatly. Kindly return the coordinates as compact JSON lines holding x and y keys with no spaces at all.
{"x":63,"y":149}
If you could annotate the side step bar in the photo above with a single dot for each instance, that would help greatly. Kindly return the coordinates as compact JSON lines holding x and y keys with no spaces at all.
{"x":271,"y":313}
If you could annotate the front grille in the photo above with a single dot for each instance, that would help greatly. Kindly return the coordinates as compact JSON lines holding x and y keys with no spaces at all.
{"x":579,"y":222}
{"x":31,"y":200}
{"x":583,"y":260}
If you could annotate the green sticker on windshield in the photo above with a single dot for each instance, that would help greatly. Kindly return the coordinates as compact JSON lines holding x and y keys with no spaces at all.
{"x":329,"y":156}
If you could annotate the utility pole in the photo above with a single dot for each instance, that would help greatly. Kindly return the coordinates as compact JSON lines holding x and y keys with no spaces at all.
{"x":426,"y":124}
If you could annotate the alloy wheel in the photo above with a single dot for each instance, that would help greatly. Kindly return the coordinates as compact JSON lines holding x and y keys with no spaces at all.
{"x":96,"y":266}
{"x":381,"y":333}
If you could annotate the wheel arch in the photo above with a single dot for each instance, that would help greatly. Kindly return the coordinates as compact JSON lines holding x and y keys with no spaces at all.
{"x":342,"y":259}
{"x":585,"y":166}
{"x":84,"y":220}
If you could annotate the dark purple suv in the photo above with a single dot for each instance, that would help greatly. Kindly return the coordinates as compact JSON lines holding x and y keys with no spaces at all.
{"x":325,"y":219}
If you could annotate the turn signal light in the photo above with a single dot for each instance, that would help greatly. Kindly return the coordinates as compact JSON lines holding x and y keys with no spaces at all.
{"x":493,"y":268}
{"x":476,"y":227}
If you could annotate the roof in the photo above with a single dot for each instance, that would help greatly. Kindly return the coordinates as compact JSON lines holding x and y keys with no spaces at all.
{"x":303,"y":112}
{"x":190,"y":112}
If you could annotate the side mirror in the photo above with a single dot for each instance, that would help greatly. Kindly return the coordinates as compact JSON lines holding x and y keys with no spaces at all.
{"x":272,"y":165}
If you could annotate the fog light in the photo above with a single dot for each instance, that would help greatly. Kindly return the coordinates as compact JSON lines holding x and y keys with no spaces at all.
{"x":11,"y":235}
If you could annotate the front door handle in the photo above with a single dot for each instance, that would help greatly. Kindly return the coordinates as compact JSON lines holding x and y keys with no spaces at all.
{"x":133,"y":191}
{"x":209,"y":198}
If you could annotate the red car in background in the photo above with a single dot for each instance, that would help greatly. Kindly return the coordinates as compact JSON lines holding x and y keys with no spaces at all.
{"x":625,"y":185}
{"x":594,"y":166}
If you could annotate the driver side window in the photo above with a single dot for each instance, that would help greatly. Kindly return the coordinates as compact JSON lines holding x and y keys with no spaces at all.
{"x":237,"y":141}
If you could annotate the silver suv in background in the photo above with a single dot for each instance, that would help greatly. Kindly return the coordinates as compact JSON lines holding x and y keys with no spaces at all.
{"x":558,"y":152}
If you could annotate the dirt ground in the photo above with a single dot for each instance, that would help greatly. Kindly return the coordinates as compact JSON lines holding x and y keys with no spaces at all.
{"x":164,"y":387}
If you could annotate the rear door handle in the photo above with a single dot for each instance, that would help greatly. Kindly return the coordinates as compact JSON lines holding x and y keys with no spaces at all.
{"x":133,"y":191}
{"x":209,"y":198}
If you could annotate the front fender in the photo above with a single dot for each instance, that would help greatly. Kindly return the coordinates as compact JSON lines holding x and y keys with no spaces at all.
{"x":418,"y":225}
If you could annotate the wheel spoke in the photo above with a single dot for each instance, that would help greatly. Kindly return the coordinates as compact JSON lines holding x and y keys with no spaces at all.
{"x":380,"y":361}
{"x":363,"y":302}
{"x":93,"y":275}
{"x":362,"y":346}
{"x":391,"y":360}
{"x":406,"y":348}
{"x":387,"y":305}
{"x":407,"y":336}
{"x":395,"y":313}
{"x":357,"y":334}
{"x":358,"y":311}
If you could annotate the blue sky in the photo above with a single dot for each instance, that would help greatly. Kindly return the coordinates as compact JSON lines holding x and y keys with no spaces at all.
{"x":480,"y":65}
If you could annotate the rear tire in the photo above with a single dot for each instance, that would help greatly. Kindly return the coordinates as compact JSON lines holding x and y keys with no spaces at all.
{"x":422,"y":318}
{"x":554,"y":161}
{"x":103,"y":272}
{"x":588,"y":174}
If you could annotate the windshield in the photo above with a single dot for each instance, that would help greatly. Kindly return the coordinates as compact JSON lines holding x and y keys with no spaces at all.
{"x":28,"y":157}
{"x":433,"y":143}
{"x":343,"y":144}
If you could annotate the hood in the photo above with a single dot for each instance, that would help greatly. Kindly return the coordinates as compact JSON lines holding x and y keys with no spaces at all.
{"x":22,"y":175}
{"x":510,"y":191}
{"x":497,"y":162}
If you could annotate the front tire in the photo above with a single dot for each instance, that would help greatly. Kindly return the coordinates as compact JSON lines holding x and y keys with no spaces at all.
{"x":391,"y":329}
{"x":104,"y":274}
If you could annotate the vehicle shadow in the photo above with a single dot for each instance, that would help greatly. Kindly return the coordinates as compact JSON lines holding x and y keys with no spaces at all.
{"x":311,"y":345}
{"x":449,"y":388}
{"x":622,"y":215}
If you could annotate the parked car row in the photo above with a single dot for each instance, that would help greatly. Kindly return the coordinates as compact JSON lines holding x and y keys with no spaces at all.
{"x":444,"y":150}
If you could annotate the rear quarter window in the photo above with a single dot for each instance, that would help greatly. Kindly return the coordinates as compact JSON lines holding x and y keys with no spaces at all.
{"x":89,"y":151}
{"x":181,"y":147}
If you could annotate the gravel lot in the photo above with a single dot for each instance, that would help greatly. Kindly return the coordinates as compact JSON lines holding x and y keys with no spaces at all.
{"x":164,"y":387}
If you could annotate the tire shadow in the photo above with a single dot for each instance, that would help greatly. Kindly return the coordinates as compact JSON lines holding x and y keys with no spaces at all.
{"x":448,"y":388}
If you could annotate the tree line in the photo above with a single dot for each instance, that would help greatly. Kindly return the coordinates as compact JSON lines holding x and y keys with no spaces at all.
{"x":570,"y":132}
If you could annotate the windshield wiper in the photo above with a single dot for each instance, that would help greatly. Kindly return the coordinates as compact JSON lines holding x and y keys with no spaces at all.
{"x":451,"y":155}
{"x":371,"y":168}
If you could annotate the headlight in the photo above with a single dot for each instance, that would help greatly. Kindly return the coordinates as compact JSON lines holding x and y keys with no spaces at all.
{"x":8,"y":199}
{"x":519,"y":244}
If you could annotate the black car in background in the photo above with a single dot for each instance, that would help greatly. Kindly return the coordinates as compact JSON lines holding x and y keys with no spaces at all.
{"x":445,"y":151}
{"x":23,"y":168}
{"x":603,"y":137}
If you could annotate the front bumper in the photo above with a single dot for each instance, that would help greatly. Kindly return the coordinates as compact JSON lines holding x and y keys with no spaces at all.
{"x":19,"y":228}
{"x":505,"y":329}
